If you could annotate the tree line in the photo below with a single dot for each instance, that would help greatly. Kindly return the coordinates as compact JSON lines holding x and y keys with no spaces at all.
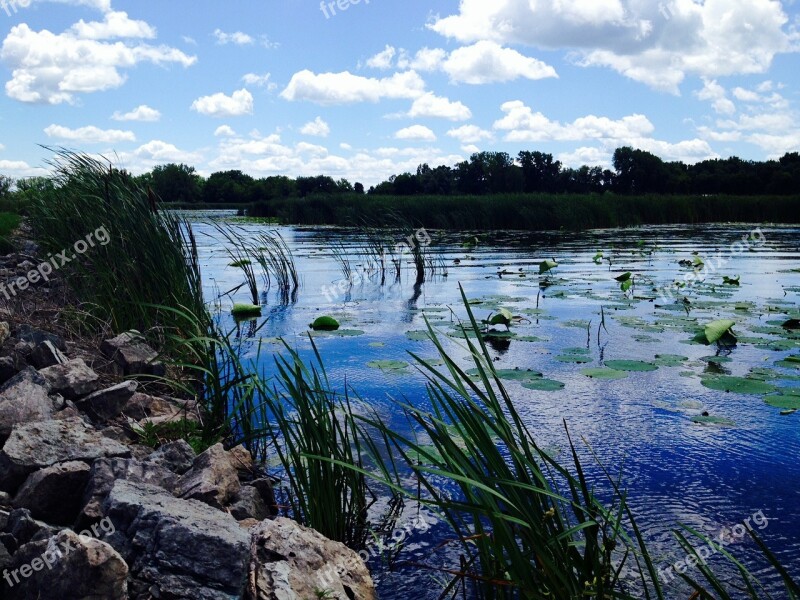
{"x":635,"y":172}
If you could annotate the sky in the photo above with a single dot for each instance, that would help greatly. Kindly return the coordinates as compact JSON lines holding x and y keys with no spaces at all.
{"x":366,"y":89}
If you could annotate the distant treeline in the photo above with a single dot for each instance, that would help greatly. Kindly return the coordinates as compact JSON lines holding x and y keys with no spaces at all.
{"x":524,"y":192}
{"x":532,"y":212}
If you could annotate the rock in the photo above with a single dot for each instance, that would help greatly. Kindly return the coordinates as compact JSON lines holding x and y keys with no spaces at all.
{"x":5,"y":332}
{"x":8,"y":368}
{"x":249,"y":505}
{"x":241,"y":459}
{"x":5,"y":500}
{"x":176,"y":548}
{"x":152,"y":409}
{"x":212,"y":479}
{"x":73,"y":378}
{"x":110,"y":402}
{"x":46,"y":355}
{"x":24,"y":398}
{"x":67,"y":566}
{"x":176,"y":456}
{"x":105,"y":471}
{"x":55,"y":493}
{"x":292,"y":561}
{"x":23,"y":528}
{"x":35,"y":446}
{"x":264,"y":487}
{"x":27,"y":333}
{"x":132,"y":354}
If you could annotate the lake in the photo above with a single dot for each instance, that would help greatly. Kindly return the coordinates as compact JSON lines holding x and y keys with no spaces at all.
{"x":688,"y":450}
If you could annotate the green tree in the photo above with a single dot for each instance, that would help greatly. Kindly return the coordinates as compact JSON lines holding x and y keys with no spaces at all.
{"x":176,"y":183}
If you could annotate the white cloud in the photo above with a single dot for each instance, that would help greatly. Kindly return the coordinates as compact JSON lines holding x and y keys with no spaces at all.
{"x":240,"y":103}
{"x":317,"y":127}
{"x":224,"y":131}
{"x":586,"y":156}
{"x":51,"y":69}
{"x":426,"y":59}
{"x":19,"y":168}
{"x":488,"y":62}
{"x":382,"y":60}
{"x":656,"y":43}
{"x":90,"y":134}
{"x":114,"y":25}
{"x":140,"y":113}
{"x":259,"y":80}
{"x":523,"y":125}
{"x":718,"y":96}
{"x":470,"y":134}
{"x":346,"y":88}
{"x":430,"y":105}
{"x":238,"y":38}
{"x":416,"y":132}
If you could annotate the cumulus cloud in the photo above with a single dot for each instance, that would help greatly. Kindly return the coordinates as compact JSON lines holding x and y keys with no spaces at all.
{"x":317,"y":127}
{"x":114,"y":25}
{"x":140,"y":113}
{"x":224,"y":131}
{"x":90,"y":134}
{"x":656,"y":43}
{"x":718,"y":96}
{"x":426,"y":59}
{"x":430,"y":105}
{"x":416,"y":132}
{"x":19,"y":168}
{"x":53,"y":68}
{"x":238,"y":38}
{"x":470,"y":134}
{"x":238,"y":104}
{"x":488,"y":62}
{"x":346,"y":88}
{"x":382,"y":60}
{"x":259,"y":80}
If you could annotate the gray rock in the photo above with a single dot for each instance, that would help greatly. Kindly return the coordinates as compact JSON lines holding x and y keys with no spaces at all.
{"x":73,"y":378}
{"x":23,"y":528}
{"x":27,"y":333}
{"x":292,"y":561}
{"x":24,"y":398}
{"x":175,"y":456}
{"x":67,"y":566}
{"x":176,"y":548}
{"x":8,"y":368}
{"x":249,"y":505}
{"x":131,"y":353}
{"x":110,"y":402}
{"x":212,"y":478}
{"x":54,"y":494}
{"x":152,"y":409}
{"x":103,"y":474}
{"x":46,"y":355}
{"x":5,"y":332}
{"x":34,"y":446}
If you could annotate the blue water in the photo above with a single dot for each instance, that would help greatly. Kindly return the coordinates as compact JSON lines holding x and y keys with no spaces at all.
{"x":675,"y":470}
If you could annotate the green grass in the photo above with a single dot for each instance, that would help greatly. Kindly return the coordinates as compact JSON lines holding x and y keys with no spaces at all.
{"x":8,"y":223}
{"x":532,"y":212}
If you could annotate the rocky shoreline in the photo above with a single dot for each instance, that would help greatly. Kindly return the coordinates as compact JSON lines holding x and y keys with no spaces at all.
{"x":89,"y":512}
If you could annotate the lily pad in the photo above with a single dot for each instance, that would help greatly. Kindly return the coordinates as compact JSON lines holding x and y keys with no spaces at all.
{"x":786,"y":399}
{"x":790,"y":362}
{"x":670,"y":360}
{"x":547,"y":265}
{"x":631,"y":365}
{"x":338,"y":333}
{"x":709,"y":420}
{"x":544,"y":385}
{"x":389,"y":365}
{"x":418,"y":335}
{"x":738,"y":385}
{"x":604,"y":373}
{"x":512,"y":374}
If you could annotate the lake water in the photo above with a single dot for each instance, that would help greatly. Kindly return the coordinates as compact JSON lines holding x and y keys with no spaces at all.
{"x":708,"y":476}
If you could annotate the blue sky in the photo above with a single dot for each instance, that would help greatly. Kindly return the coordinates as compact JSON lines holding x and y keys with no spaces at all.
{"x":285,"y":87}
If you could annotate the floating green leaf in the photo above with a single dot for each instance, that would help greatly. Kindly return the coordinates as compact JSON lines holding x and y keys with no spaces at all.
{"x":418,"y":335}
{"x":604,"y":373}
{"x":788,"y":399}
{"x":544,"y":385}
{"x":573,"y":358}
{"x":716,"y":331}
{"x":709,"y":420}
{"x":738,"y":385}
{"x":547,"y":265}
{"x":670,"y":360}
{"x":388,"y":365}
{"x":790,"y":362}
